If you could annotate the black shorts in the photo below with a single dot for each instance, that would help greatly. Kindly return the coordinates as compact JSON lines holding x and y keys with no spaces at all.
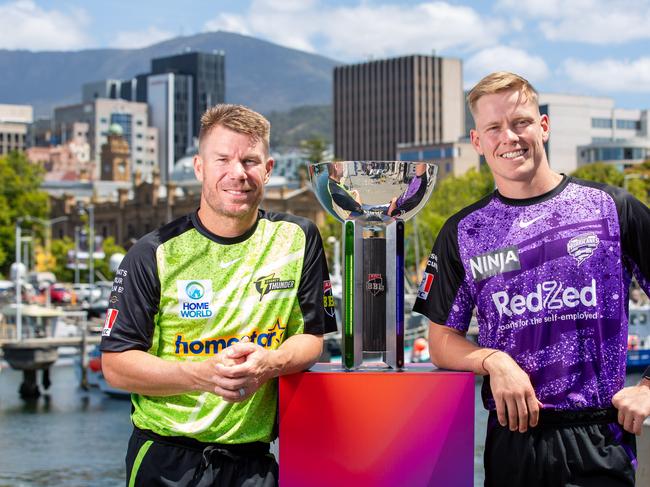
{"x":567,"y":448}
{"x":154,"y":460}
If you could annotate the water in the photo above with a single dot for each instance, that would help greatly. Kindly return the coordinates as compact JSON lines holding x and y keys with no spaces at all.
{"x":75,"y":438}
{"x":68,"y":437}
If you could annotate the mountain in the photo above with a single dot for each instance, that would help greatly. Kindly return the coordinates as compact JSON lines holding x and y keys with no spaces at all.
{"x":259,"y":74}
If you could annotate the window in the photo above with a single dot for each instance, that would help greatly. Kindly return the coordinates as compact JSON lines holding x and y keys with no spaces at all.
{"x":628,"y":124}
{"x":601,"y":123}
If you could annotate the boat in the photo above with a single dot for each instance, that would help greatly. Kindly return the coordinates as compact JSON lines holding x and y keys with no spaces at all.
{"x":95,"y":376}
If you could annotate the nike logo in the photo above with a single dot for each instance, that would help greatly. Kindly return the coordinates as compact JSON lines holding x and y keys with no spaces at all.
{"x":523,"y":224}
{"x":225,"y":265}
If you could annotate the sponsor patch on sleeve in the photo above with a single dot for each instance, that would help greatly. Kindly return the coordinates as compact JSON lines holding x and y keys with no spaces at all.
{"x":425,"y":285}
{"x":111,"y":316}
{"x":328,"y":298}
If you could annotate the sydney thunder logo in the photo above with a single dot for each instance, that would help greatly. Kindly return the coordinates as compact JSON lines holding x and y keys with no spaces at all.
{"x":266,"y":284}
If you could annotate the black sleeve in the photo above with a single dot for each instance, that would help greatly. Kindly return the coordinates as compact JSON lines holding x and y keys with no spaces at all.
{"x":443,"y":284}
{"x":314,"y":291}
{"x":343,"y":199}
{"x":634,"y":219}
{"x":134,"y":300}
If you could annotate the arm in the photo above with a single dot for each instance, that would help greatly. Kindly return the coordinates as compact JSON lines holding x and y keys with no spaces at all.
{"x":142,"y":373}
{"x":517,"y":405}
{"x":633,"y":404}
{"x":297,"y":353}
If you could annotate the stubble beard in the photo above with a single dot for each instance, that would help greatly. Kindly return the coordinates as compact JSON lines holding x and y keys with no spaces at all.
{"x":235,"y":212}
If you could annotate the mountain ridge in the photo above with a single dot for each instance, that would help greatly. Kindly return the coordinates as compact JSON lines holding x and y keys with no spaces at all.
{"x":265,"y":76}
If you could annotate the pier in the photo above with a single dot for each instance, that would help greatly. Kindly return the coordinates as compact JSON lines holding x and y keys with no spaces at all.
{"x":34,"y":354}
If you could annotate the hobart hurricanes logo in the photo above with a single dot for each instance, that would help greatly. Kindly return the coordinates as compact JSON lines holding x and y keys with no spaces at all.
{"x":493,"y":263}
{"x":266,"y":284}
{"x":194,"y":298}
{"x":582,"y":247}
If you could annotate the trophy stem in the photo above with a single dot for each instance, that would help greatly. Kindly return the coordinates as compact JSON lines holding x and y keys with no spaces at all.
{"x":348,"y":281}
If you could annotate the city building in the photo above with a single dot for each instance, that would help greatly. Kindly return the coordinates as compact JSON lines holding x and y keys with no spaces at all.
{"x":587,"y":129}
{"x":452,"y":158}
{"x":406,"y":100}
{"x":178,"y":90}
{"x":170,"y":102}
{"x":116,"y":156}
{"x":100,"y":114}
{"x":108,"y":88}
{"x":14,"y":125}
{"x":208,"y":79}
{"x":128,"y":211}
{"x":623,"y":153}
{"x":66,"y":162}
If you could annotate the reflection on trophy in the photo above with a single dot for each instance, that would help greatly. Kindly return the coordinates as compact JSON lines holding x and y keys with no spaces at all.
{"x":373,"y":199}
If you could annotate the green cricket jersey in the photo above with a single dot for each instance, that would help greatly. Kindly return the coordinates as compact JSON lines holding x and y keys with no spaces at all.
{"x":183,"y":293}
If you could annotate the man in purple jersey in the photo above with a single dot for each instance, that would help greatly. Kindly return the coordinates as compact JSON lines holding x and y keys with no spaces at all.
{"x":546,"y":260}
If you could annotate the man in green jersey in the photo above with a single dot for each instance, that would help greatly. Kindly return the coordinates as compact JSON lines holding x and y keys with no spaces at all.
{"x":207,"y":311}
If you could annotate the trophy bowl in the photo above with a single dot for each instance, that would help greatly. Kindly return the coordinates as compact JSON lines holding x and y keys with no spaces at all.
{"x":373,"y":199}
{"x":350,"y":189}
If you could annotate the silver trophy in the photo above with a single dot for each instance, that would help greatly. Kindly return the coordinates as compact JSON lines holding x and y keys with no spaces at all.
{"x":373,"y":199}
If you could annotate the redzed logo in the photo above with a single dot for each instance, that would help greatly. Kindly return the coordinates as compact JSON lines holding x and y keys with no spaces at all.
{"x":111,"y":315}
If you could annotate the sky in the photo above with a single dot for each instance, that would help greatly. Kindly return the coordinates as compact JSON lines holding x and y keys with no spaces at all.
{"x":588,"y":47}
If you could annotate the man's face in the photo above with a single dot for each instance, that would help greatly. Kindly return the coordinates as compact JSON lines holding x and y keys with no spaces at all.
{"x":233,"y":171}
{"x":510,"y":133}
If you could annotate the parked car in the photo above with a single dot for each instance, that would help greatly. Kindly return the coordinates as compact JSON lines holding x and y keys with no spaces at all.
{"x":82,"y":290}
{"x":60,"y":293}
{"x":97,"y":307}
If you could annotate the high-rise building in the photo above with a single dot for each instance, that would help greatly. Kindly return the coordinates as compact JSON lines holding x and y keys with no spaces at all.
{"x":208,"y":79}
{"x":170,"y":105}
{"x":100,"y":114}
{"x":14,"y":123}
{"x":107,"y":88}
{"x":405,"y":100}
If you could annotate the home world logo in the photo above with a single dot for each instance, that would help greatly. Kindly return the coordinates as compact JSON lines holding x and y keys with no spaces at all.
{"x":194,"y":298}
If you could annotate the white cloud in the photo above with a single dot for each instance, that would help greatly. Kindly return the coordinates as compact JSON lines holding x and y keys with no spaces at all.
{"x":610,"y":75}
{"x":589,"y":21}
{"x":24,"y":25}
{"x":140,"y":38}
{"x":504,"y":58}
{"x":355,"y":32}
{"x":229,"y":23}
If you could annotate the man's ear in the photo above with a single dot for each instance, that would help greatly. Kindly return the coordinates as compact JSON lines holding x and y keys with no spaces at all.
{"x":269,"y":169}
{"x":198,"y":167}
{"x":476,"y":143}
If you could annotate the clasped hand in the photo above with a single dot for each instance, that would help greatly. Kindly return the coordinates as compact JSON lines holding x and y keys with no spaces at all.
{"x":240,"y":371}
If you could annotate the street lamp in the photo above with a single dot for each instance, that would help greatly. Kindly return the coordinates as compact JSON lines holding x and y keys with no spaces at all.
{"x":90,"y":210}
{"x":19,"y":239}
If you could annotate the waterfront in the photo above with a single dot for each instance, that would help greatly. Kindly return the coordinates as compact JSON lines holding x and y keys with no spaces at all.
{"x":75,"y":438}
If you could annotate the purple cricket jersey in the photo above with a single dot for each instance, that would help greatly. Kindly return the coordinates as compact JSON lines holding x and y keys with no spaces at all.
{"x":549,"y":277}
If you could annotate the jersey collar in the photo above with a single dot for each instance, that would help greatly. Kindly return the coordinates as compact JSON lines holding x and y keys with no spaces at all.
{"x":537,"y":199}
{"x":196,"y":221}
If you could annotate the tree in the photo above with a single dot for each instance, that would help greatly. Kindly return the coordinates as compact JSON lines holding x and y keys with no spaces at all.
{"x":20,"y":195}
{"x":636,"y":180}
{"x":62,"y":247}
{"x":314,"y":149}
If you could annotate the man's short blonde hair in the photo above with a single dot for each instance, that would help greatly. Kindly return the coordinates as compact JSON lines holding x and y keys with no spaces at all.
{"x":237,"y":118}
{"x":497,"y":83}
